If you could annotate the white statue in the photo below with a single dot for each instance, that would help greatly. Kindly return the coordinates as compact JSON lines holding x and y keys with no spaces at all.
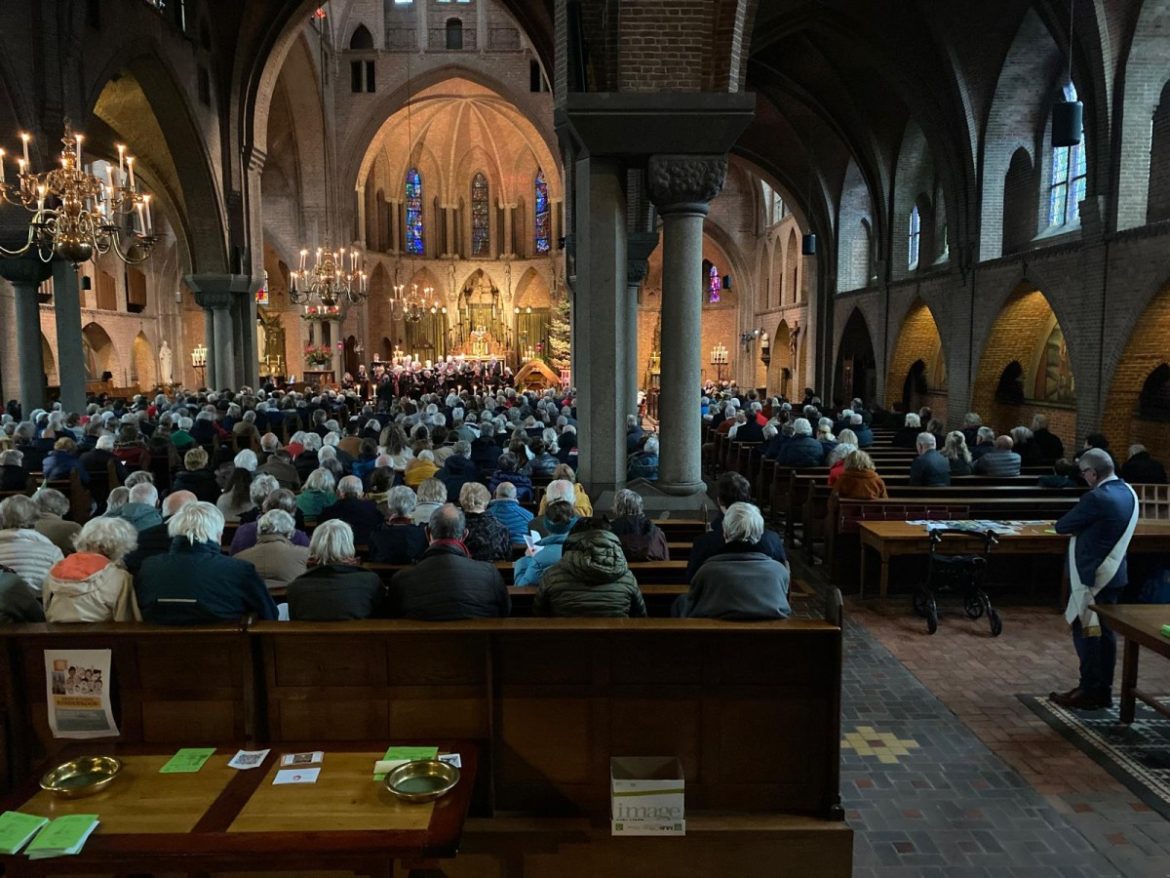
{"x":166,"y":361}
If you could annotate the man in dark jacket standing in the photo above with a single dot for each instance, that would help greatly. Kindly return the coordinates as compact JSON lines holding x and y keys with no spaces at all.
{"x":446,"y":585}
{"x":195,"y":582}
{"x":929,"y":469}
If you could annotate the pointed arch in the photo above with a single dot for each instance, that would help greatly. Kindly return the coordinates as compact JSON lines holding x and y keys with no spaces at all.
{"x":856,"y":370}
{"x":918,"y":341}
{"x":144,"y":362}
{"x":1146,"y":77}
{"x":361,"y":40}
{"x":792,"y":270}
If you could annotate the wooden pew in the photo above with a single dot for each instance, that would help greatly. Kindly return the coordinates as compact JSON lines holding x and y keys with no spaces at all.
{"x":646,"y":572}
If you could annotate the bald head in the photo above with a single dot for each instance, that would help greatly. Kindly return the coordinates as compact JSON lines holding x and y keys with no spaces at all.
{"x":176,"y":501}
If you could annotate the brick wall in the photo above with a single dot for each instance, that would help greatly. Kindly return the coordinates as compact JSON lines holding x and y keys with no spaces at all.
{"x":1146,"y":350}
{"x":664,"y":46}
{"x":918,"y":340}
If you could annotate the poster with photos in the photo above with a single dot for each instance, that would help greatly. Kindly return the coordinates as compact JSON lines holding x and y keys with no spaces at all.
{"x":77,"y":683}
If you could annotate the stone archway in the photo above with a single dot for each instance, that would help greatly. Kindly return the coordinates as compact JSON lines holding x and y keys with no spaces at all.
{"x":918,"y":342}
{"x":1026,"y":332}
{"x":1137,"y":384}
{"x":145,"y":373}
{"x":101,"y":356}
{"x":781,"y":377}
{"x":856,"y":371}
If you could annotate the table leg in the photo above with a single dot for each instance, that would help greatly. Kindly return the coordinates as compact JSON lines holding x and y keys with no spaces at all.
{"x":1129,"y":672}
{"x":884,"y":589}
{"x":861,"y":584}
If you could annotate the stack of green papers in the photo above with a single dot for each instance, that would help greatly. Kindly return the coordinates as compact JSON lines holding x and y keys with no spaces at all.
{"x":396,"y":756}
{"x":187,"y":760}
{"x":16,"y":829}
{"x":64,"y":837}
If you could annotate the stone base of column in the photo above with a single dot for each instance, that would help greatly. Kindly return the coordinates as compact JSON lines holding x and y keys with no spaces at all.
{"x":681,"y":489}
{"x":658,"y":502}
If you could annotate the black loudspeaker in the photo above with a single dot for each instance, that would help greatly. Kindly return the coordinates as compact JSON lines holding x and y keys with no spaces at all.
{"x":86,"y":283}
{"x":1068,"y":123}
{"x":808,"y":244}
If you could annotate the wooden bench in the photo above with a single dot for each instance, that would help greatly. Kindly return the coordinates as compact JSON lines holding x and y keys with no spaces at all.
{"x":646,"y":572}
{"x":550,"y":700}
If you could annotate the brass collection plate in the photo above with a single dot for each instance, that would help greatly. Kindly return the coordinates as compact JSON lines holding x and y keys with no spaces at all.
{"x":81,"y":777}
{"x":422,"y":780}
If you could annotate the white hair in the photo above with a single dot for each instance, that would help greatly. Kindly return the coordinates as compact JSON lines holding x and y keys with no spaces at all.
{"x":332,"y":542}
{"x":627,"y":502}
{"x":855,"y":419}
{"x":350,"y":486}
{"x":320,"y":479}
{"x":144,"y":493}
{"x":246,"y":459}
{"x":651,"y":445}
{"x":138,"y":478}
{"x":801,"y":427}
{"x":432,"y":491}
{"x":505,"y":491}
{"x":926,"y":440}
{"x":105,"y":442}
{"x":269,"y":442}
{"x":742,"y":523}
{"x":52,"y":501}
{"x":199,"y":522}
{"x":262,"y":485}
{"x":112,"y":537}
{"x":912,"y":420}
{"x":401,"y":501}
{"x":560,"y":489}
{"x":985,"y":433}
{"x":311,"y":442}
{"x":276,"y":521}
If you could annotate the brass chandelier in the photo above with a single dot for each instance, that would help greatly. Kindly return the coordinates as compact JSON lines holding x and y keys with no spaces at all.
{"x":329,"y":281}
{"x":75,"y":215}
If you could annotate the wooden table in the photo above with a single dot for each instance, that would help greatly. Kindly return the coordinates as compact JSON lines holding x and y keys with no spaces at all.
{"x":893,"y":538}
{"x":1140,"y":625}
{"x":221,"y":819}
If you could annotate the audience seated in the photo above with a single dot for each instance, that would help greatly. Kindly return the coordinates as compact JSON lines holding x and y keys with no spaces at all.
{"x":360,"y":514}
{"x":141,"y":507}
{"x":458,"y":469}
{"x":195,"y":582}
{"x":644,"y":464}
{"x":18,"y":602}
{"x":130,"y":449}
{"x":275,"y":556}
{"x":1001,"y":462}
{"x":487,"y":537}
{"x":237,"y":497}
{"x":1140,"y":468}
{"x":730,"y":488}
{"x":929,"y":469}
{"x":91,"y":585}
{"x":279,"y":464}
{"x":957,"y":455}
{"x":447,"y":584}
{"x":1064,"y":475}
{"x":1049,"y":448}
{"x":317,"y":494}
{"x":741,"y":582}
{"x":156,"y":540}
{"x":247,"y":533}
{"x":907,"y":435}
{"x":558,"y":521}
{"x":557,"y":489}
{"x":581,"y":502}
{"x":196,"y":477}
{"x":431,"y":495}
{"x":641,"y":539}
{"x":835,"y":460}
{"x":1023,"y":445}
{"x":543,"y":462}
{"x":485,"y":452}
{"x":420,"y":469}
{"x":52,"y":507}
{"x":592,"y":578}
{"x":508,"y":470}
{"x":860,"y":480}
{"x":634,"y":434}
{"x":335,"y":587}
{"x":22,"y":549}
{"x":864,"y":434}
{"x":508,"y":510}
{"x":399,"y":540}
{"x":802,"y":450}
{"x":972,"y":423}
{"x":984,"y":443}
{"x":13,"y":475}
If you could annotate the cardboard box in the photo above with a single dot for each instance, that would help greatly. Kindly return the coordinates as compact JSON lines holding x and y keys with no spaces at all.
{"x":646,"y":796}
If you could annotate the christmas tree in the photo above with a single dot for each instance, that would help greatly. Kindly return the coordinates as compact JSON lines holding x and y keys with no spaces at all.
{"x":560,"y":333}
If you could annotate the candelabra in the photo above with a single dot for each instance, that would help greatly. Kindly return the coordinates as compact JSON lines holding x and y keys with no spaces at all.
{"x":75,"y":215}
{"x":328,"y":282}
{"x":414,"y":307}
{"x":199,"y":360}
{"x":719,"y":359}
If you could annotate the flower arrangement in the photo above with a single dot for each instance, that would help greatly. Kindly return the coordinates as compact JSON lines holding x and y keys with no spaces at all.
{"x":318,"y":356}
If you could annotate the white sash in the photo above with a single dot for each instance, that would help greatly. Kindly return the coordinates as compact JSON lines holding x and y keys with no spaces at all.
{"x":1080,"y":595}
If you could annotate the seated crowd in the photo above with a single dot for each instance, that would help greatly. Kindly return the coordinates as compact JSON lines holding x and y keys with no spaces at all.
{"x":443,"y":488}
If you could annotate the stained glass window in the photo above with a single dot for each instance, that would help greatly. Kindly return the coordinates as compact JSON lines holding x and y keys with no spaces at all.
{"x":714,"y":285}
{"x":543,"y":215}
{"x":1068,"y":178}
{"x":480,"y":216}
{"x":414,"y":212}
{"x":915,"y":235}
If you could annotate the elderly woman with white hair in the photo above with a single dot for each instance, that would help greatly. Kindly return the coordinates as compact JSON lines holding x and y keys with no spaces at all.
{"x":195,"y":583}
{"x":906,"y":436}
{"x":13,"y":475}
{"x":335,"y":588}
{"x":275,"y":556}
{"x":22,"y":549}
{"x":741,"y":582}
{"x":52,"y":507}
{"x":802,"y":450}
{"x":92,"y":585}
{"x":362,"y":515}
{"x":317,"y":494}
{"x":644,"y":464}
{"x":399,"y":540}
{"x":641,"y":539}
{"x":487,"y":537}
{"x":431,"y":495}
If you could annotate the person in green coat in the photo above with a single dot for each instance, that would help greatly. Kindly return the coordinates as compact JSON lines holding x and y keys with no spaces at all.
{"x":591,"y":579}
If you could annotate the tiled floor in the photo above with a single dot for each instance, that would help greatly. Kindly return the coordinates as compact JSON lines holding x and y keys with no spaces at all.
{"x":946,"y":773}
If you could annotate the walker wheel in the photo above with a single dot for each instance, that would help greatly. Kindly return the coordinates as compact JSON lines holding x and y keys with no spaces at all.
{"x":921,"y":599}
{"x":973,"y":605}
{"x":995,"y":620}
{"x":931,"y":617}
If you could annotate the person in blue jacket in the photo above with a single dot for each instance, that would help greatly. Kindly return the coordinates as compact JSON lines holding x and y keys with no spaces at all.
{"x":559,"y":520}
{"x":803,"y":450}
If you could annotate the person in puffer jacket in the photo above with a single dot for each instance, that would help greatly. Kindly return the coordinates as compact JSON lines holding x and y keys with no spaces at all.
{"x":91,"y":585}
{"x":591,"y":579}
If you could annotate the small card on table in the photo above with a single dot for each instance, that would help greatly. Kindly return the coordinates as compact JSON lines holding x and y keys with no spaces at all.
{"x":296,"y":775}
{"x":63,"y":837}
{"x":187,"y":760}
{"x":245,"y":759}
{"x":316,"y":757}
{"x":396,"y":756}
{"x":16,"y":829}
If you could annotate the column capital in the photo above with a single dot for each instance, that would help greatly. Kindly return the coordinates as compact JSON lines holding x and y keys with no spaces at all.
{"x":639,"y":246}
{"x":28,"y":270}
{"x":685,"y":183}
{"x":220,"y":290}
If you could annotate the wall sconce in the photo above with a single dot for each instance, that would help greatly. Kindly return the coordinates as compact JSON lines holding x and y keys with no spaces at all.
{"x":765,"y":349}
{"x":747,"y":339}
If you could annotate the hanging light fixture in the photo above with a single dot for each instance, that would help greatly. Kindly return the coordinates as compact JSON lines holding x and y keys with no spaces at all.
{"x":75,"y":216}
{"x":330,"y":281}
{"x":1068,"y":116}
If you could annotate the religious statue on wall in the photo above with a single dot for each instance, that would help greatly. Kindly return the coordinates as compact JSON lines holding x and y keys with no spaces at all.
{"x":166,"y":365}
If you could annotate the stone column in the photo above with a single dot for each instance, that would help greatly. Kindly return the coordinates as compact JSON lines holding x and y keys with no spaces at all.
{"x":681,"y":188}
{"x":599,"y":310}
{"x":70,"y":354}
{"x":26,"y":274}
{"x":639,"y":247}
{"x":395,"y":228}
{"x":449,"y":213}
{"x":213,"y":293}
{"x":508,"y":251}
